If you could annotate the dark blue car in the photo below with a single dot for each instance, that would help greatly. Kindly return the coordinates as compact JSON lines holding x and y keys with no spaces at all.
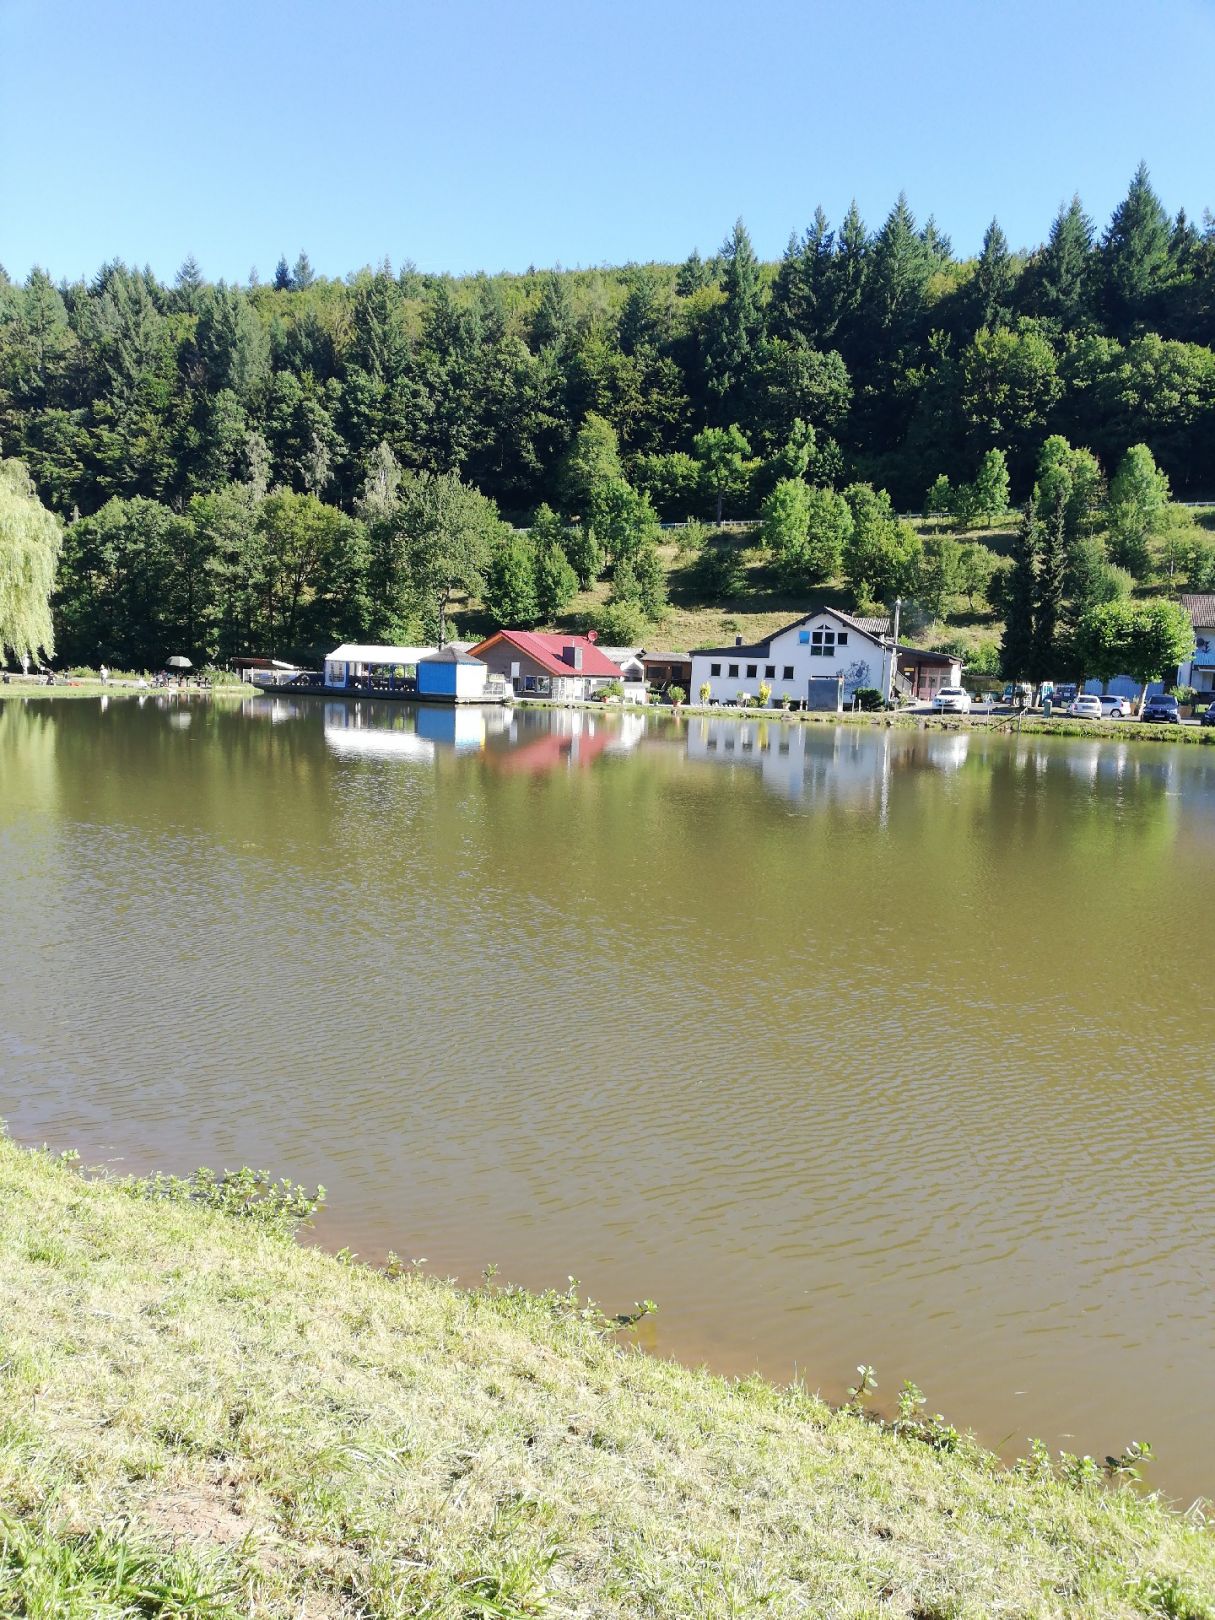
{"x":1163,"y":707}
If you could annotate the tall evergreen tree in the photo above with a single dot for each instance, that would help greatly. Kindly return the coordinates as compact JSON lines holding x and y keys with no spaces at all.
{"x":1018,"y":644}
{"x":995,"y":279}
{"x":797,"y":292}
{"x":1064,"y":283}
{"x":1135,"y":252}
{"x":846,"y":278}
{"x":1049,"y":589}
{"x":737,"y":326}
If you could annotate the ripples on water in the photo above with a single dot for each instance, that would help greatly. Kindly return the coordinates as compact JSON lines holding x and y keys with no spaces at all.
{"x":842,"y":1044}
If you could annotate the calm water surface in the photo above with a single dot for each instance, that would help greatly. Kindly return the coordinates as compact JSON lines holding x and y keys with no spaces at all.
{"x":842,"y":1045}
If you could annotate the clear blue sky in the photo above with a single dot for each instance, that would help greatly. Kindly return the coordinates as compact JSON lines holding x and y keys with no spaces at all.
{"x":494,"y":134}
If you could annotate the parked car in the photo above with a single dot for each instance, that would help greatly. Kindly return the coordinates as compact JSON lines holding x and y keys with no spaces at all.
{"x":1065,"y":694}
{"x":952,"y":700}
{"x":1207,"y":717}
{"x":1162,"y":707}
{"x":1085,"y":707}
{"x":1118,"y":708}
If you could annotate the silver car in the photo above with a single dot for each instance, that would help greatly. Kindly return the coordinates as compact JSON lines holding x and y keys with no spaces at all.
{"x":1085,"y":707}
{"x":1118,"y":708}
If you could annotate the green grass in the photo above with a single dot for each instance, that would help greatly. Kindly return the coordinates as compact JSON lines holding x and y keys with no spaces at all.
{"x":199,"y":1417}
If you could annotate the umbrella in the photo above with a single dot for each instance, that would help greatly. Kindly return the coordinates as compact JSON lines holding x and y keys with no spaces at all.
{"x":178,"y":662}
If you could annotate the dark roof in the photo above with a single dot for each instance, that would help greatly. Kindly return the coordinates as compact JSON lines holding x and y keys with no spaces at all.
{"x":875,"y":629}
{"x":926,"y":655}
{"x":665,"y":658}
{"x":449,"y":655}
{"x":1201,"y":610}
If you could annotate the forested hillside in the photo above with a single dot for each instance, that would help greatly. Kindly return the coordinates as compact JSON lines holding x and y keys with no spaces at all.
{"x":280,"y":462}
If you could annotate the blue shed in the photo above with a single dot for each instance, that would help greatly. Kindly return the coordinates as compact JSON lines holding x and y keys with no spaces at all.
{"x":452,"y":676}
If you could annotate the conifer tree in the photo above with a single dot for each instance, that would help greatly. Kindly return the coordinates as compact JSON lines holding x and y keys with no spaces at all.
{"x":1017,"y":645}
{"x":738,"y":322}
{"x":1136,"y":253}
{"x":995,"y":279}
{"x":1065,"y":269}
{"x":1049,"y":587}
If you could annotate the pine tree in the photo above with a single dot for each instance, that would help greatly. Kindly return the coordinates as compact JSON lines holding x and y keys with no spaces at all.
{"x":797,"y":292}
{"x":693,"y":274}
{"x":302,"y":274}
{"x":846,"y":278}
{"x":188,"y":285}
{"x":282,"y":274}
{"x":1049,"y":589}
{"x":995,"y":279}
{"x":738,"y":321}
{"x":1017,"y":645}
{"x":1135,"y":252}
{"x":901,"y":267}
{"x":1065,"y":269}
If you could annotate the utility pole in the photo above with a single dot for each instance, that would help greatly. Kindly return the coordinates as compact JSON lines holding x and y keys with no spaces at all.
{"x":894,"y":647}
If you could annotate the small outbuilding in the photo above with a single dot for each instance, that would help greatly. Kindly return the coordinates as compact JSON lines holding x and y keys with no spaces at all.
{"x":452,"y":676}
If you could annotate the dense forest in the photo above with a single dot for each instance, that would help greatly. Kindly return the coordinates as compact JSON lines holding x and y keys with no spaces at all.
{"x":282,"y":461}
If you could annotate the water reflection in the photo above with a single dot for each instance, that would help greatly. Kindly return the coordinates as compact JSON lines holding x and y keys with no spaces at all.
{"x":843,"y":1043}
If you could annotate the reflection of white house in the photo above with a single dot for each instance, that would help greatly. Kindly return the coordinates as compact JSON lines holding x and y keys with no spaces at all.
{"x":824,"y":644}
{"x":841,"y":766}
{"x":1200,"y":671}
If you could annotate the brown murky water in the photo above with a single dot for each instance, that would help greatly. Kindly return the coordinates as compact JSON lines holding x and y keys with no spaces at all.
{"x":842,"y":1045}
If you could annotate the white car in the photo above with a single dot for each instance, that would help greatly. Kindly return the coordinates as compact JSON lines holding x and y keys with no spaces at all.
{"x":952,"y":700}
{"x":1085,"y":707}
{"x":1118,"y":708}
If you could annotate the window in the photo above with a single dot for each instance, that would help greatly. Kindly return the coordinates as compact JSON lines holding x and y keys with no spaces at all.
{"x":714,"y":669}
{"x":804,"y":637}
{"x":733,"y":672}
{"x":751,"y":671}
{"x":841,"y":638}
{"x":769,"y":672}
{"x":788,"y":675}
{"x":822,"y":644}
{"x":529,"y":683}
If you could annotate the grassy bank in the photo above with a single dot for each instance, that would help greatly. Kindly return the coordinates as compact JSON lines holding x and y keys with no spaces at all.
{"x":201,"y":1418}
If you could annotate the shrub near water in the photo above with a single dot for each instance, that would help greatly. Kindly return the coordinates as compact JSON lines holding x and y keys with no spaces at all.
{"x":201,"y":1418}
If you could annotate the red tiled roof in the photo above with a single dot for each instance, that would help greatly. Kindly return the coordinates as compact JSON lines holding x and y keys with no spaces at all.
{"x":545,"y":650}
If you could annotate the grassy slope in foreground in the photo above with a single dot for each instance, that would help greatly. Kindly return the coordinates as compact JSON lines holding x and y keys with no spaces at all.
{"x":200,"y":1417}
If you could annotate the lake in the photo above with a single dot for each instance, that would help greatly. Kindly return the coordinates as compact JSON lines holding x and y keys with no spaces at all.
{"x":843,"y":1044}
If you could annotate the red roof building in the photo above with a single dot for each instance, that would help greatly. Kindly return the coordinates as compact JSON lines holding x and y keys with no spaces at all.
{"x":538,"y":664}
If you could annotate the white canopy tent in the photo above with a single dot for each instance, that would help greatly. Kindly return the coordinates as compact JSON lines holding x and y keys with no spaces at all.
{"x":358,"y":665}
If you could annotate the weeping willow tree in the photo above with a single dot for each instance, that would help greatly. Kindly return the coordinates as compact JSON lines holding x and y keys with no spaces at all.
{"x":30,"y":539}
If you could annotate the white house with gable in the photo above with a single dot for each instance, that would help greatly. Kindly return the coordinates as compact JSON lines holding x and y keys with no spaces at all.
{"x":825,"y":643}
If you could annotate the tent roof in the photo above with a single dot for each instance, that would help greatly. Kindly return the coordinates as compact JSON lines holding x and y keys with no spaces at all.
{"x":353,"y":652}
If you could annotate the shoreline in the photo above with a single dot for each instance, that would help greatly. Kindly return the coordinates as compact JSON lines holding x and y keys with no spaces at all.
{"x":1029,"y":725}
{"x":190,"y":1387}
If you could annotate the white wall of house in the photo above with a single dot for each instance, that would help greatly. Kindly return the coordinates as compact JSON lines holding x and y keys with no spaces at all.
{"x":822,"y":646}
{"x":1200,"y":671}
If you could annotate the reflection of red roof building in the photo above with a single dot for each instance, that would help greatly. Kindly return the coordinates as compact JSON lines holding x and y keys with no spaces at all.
{"x":547,"y":752}
{"x":547,"y":665}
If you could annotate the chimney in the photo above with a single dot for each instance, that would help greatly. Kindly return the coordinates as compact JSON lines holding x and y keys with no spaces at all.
{"x":738,"y":641}
{"x":572,"y":655}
